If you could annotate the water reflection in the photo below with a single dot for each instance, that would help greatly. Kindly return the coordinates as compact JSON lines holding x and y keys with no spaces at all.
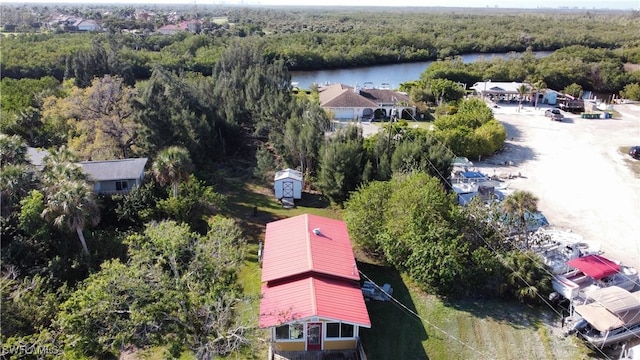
{"x":381,"y":75}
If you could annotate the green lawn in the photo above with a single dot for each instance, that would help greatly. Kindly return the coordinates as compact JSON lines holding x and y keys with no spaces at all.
{"x":466,"y":329}
{"x":243,"y":198}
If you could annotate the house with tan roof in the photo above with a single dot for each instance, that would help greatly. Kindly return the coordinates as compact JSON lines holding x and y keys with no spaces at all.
{"x":193,"y":26}
{"x":364,"y":103}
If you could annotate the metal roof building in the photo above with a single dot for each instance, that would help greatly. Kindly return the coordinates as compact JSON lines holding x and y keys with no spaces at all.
{"x":311,"y":296}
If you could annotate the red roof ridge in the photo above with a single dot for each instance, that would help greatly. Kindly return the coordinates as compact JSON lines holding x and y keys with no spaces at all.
{"x":308,"y":239}
{"x":292,"y":247}
{"x":314,"y":299}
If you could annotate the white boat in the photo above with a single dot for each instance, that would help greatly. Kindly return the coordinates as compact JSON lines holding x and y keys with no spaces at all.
{"x":556,"y":247}
{"x":610,"y":316}
{"x":461,"y":164}
{"x":630,"y":352}
{"x":371,"y":290}
{"x":592,"y":272}
{"x":468,"y":184}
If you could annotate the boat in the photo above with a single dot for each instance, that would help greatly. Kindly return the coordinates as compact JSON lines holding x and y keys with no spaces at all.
{"x":468,"y":184}
{"x":534,"y":221}
{"x":630,"y":352}
{"x":461,"y":164}
{"x":592,"y":272}
{"x":371,"y":291}
{"x":609,"y":316}
{"x":557,"y":247}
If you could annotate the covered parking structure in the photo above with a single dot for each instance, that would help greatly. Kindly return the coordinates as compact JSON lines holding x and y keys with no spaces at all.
{"x":500,"y":91}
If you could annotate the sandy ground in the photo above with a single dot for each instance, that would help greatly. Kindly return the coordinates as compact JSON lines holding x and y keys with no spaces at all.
{"x":576,"y":170}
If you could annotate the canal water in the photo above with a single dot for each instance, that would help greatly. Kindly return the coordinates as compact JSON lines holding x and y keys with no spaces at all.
{"x":391,"y":75}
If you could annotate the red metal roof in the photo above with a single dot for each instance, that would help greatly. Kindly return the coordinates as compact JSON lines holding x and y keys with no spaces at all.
{"x":595,"y":266}
{"x":291,"y":247}
{"x":312,"y":296}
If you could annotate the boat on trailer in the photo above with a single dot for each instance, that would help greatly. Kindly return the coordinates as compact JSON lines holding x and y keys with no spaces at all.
{"x":593,"y":272}
{"x":557,"y":247}
{"x":609,"y":316}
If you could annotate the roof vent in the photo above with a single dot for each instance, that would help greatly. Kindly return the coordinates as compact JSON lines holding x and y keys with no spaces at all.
{"x":316,"y":231}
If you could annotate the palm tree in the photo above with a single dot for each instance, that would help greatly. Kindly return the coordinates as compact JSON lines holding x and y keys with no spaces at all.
{"x":12,"y":150}
{"x":526,"y":276}
{"x":58,"y":166}
{"x":15,"y":183}
{"x":522,"y":90}
{"x":72,"y":205}
{"x":29,"y":118}
{"x":540,"y":87}
{"x":516,"y":206}
{"x":16,"y":174}
{"x":172,"y":165}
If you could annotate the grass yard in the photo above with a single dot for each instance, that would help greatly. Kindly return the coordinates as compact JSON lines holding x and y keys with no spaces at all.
{"x":253,"y":206}
{"x":221,"y":20}
{"x":466,"y":329}
{"x":427,"y":327}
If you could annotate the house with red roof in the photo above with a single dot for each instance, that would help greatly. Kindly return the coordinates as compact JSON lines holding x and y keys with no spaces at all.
{"x":365,"y":103}
{"x":311,"y":296}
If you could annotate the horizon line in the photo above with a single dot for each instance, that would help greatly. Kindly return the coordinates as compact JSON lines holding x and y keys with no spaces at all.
{"x":269,"y":4}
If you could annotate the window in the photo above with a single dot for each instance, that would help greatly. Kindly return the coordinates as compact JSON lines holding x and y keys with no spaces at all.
{"x":339,"y":330}
{"x":282,"y":332}
{"x":296,"y":331}
{"x":289,"y":332}
{"x":333,"y":330}
{"x":346,"y":330}
{"x":122,"y":185}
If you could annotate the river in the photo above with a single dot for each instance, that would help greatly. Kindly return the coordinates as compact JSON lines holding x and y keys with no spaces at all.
{"x":392,"y":75}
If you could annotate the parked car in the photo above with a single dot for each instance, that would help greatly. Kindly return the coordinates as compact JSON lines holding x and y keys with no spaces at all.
{"x":554,"y":114}
{"x":635,"y":152}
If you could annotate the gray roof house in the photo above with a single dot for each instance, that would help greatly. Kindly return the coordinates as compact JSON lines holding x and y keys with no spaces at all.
{"x":115,"y":176}
{"x":360,"y":103}
{"x":87,"y":25}
{"x":36,"y":156}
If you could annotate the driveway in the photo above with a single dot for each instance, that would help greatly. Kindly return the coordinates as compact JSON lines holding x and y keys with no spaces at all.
{"x":575,"y":169}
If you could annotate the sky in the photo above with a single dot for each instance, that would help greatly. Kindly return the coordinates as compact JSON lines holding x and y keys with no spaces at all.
{"x":523,"y":4}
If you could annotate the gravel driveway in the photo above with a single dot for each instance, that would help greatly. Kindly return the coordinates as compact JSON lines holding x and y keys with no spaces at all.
{"x":576,"y":170}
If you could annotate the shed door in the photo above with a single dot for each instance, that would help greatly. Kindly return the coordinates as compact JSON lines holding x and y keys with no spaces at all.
{"x":314,"y":336}
{"x":287,"y":189}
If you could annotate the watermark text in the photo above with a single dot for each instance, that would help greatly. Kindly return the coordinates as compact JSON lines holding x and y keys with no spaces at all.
{"x":28,"y":349}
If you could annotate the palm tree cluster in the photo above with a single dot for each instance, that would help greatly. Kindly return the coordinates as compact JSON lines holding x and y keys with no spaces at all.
{"x":70,"y":202}
{"x":171,"y":166}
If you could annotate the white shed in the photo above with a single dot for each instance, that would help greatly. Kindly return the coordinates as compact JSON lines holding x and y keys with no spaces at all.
{"x":288,"y":184}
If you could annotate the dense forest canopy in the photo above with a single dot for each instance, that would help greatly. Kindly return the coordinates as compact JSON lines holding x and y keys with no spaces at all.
{"x":314,"y":38}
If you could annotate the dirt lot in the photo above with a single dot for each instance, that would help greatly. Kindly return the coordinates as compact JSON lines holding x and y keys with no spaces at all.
{"x":584,"y":183}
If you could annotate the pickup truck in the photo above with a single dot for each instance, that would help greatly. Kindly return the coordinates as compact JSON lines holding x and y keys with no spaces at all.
{"x":554,"y":114}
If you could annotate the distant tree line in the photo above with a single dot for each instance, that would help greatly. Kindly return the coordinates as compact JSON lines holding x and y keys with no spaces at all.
{"x":315,"y":39}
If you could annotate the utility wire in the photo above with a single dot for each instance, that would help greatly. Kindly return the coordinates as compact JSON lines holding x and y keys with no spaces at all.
{"x":499,"y":257}
{"x":494,"y":250}
{"x":406,"y":309}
